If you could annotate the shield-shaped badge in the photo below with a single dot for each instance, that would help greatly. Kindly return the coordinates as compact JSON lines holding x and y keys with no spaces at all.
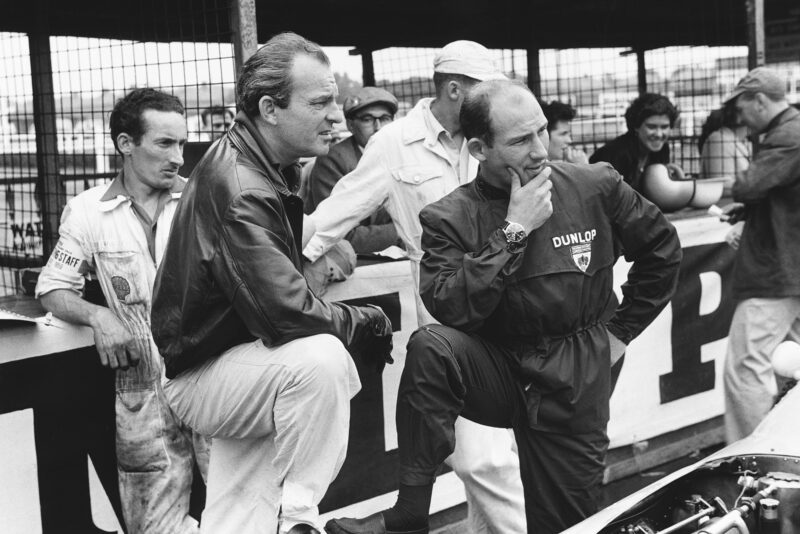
{"x":582,"y":255}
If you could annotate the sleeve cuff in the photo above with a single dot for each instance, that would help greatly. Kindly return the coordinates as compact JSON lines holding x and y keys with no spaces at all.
{"x":619,"y":333}
{"x":314,"y":249}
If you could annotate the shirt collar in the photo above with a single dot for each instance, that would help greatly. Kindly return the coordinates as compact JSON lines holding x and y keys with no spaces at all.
{"x":117,"y":193}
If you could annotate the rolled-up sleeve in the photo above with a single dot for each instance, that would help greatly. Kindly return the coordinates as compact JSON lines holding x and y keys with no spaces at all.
{"x":69,"y":262}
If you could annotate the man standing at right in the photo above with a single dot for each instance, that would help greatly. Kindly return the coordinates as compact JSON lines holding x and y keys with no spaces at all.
{"x":766,"y":280}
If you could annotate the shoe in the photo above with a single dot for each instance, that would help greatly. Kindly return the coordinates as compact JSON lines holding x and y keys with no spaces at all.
{"x":372,"y":524}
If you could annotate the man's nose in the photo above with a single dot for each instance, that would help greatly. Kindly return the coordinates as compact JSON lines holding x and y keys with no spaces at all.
{"x":538,"y":149}
{"x":176,"y":156}
{"x":335,"y":114}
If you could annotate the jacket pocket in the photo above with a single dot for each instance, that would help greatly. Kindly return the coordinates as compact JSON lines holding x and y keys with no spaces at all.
{"x":424,"y":183}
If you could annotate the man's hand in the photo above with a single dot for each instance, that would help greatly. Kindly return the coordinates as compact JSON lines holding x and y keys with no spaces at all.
{"x":616,"y":347}
{"x":733,"y":213}
{"x":116,"y":345}
{"x":530,"y":204}
{"x":734,"y":235}
{"x":373,"y":336}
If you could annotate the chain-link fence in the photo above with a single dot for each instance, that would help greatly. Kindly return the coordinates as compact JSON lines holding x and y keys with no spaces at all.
{"x":77,"y":81}
{"x":56,"y":94}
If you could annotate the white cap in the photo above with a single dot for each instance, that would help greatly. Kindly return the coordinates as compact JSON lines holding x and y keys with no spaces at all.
{"x":467,"y":58}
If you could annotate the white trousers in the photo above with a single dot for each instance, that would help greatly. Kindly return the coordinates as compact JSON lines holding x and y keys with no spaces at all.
{"x":279,"y":421}
{"x":486,"y":460}
{"x":758,"y":326}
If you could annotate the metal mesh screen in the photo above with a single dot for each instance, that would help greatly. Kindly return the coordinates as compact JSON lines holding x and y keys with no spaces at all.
{"x":600,"y":84}
{"x":73,"y":150}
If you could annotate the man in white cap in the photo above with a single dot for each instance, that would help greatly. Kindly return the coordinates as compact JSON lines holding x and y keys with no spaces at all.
{"x":765,"y":282}
{"x":408,"y":164}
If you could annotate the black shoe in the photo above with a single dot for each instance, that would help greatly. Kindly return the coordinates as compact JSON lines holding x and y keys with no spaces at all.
{"x":372,"y":524}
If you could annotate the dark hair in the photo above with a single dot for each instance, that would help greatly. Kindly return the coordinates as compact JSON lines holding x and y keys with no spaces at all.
{"x":126,"y":117}
{"x":268,"y":72}
{"x":647,"y":105}
{"x":441,"y":79}
{"x":557,"y":111}
{"x":215,"y":110}
{"x":475,"y":114}
{"x":725,"y":116}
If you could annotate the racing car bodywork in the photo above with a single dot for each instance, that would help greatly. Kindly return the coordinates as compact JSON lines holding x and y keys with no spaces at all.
{"x":749,"y":487}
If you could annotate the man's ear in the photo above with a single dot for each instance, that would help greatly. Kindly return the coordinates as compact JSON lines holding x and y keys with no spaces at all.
{"x":125,"y":143}
{"x":454,"y":90}
{"x":477,"y":148}
{"x":266,"y":109}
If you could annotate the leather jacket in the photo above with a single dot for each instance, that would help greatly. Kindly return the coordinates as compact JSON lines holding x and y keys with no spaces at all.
{"x":232,"y":271}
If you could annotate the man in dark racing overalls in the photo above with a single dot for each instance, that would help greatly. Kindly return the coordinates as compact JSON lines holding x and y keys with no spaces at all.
{"x":517,"y":267}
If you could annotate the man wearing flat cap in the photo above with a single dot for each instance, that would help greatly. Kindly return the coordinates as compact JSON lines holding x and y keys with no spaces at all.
{"x":408,"y":164}
{"x":766,"y":282}
{"x":366,"y":112}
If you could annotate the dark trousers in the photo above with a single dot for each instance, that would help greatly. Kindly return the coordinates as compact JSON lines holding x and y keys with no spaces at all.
{"x":450,"y":373}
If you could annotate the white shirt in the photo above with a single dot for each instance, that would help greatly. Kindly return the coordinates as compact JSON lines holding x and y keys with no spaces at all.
{"x":405,"y":167}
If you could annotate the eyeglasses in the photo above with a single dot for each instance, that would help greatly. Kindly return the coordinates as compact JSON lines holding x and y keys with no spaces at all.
{"x":369,"y":120}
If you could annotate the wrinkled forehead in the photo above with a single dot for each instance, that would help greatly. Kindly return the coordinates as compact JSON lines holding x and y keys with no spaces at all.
{"x":311,"y":78}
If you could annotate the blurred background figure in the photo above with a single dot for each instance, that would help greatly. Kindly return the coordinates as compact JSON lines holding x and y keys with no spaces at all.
{"x":649,"y":119}
{"x":559,"y":126}
{"x":216,"y":121}
{"x":725,"y":150}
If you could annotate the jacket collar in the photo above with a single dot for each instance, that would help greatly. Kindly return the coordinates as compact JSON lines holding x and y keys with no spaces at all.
{"x":248,"y":139}
{"x":780,"y":118}
{"x":117,"y":193}
{"x":420,"y":124}
{"x":487,"y":190}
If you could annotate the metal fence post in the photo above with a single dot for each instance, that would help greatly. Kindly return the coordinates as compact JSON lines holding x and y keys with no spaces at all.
{"x":756,"y":56}
{"x":50,"y":192}
{"x":244,"y":31}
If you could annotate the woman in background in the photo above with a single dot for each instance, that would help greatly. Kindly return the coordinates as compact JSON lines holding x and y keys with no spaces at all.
{"x":724,"y":148}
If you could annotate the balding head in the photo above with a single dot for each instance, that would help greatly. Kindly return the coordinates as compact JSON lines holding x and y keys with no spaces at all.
{"x":476,"y":116}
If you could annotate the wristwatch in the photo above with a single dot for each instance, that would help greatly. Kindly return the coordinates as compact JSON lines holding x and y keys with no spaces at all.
{"x":515,"y":235}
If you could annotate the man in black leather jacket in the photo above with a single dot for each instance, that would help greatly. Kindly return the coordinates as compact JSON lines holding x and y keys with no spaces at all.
{"x":255,"y":359}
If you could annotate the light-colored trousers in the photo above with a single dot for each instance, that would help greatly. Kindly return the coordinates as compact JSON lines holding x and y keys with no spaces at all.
{"x":156,"y":453}
{"x":279,"y":421}
{"x":758,"y":326}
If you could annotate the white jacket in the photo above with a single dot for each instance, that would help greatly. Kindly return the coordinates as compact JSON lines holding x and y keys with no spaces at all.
{"x":403,"y":169}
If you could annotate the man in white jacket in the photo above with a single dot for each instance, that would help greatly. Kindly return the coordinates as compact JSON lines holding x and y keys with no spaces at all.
{"x":408,"y":164}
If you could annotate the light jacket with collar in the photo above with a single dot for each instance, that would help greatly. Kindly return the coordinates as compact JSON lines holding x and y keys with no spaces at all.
{"x":374,"y":233}
{"x":232,"y":270}
{"x":403,"y":169}
{"x":100,"y":231}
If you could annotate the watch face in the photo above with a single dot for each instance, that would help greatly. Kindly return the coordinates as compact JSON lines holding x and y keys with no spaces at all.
{"x":514,"y":232}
